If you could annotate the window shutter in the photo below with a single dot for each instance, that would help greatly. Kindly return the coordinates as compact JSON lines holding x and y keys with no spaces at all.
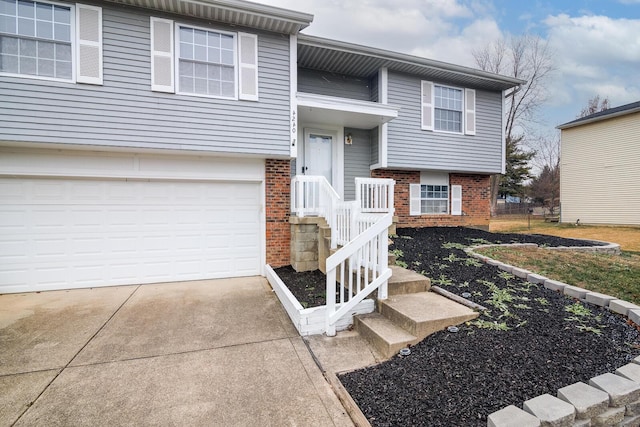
{"x":89,"y":44}
{"x":427,"y":105}
{"x":470,"y":112}
{"x":248,"y":66}
{"x":162,"y":69}
{"x":456,"y":200}
{"x":415,"y":207}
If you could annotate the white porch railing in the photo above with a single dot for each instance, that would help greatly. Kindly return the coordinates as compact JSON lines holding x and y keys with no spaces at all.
{"x":363,"y":267}
{"x":360,"y":227}
{"x":375,"y":194}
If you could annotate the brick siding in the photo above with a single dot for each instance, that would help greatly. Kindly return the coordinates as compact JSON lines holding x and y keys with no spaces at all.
{"x":475,"y":200}
{"x":277,"y":189}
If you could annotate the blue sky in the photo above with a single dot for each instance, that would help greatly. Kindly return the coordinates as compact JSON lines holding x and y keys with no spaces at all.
{"x":595,"y":43}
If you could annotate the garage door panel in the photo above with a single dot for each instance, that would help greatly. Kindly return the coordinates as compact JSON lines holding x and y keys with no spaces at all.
{"x":74,"y":233}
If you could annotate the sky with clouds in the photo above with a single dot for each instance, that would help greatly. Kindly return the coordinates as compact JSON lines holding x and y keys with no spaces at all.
{"x":595,"y":43}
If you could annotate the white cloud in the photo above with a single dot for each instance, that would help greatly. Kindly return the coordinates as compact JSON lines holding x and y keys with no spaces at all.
{"x":595,"y":55}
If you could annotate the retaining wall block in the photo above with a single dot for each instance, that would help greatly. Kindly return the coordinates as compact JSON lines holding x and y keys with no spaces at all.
{"x":632,"y":409}
{"x":634,"y":316}
{"x":630,"y":371}
{"x":622,"y":307}
{"x":599,"y":299}
{"x":551,"y":411}
{"x":512,"y":416}
{"x":505,"y":267}
{"x":610,"y":417}
{"x":520,"y":272}
{"x":621,"y":390}
{"x":582,"y":423}
{"x":554,"y":285}
{"x":630,"y":421}
{"x":536,"y":278}
{"x":587,"y":400}
{"x":575,"y":292}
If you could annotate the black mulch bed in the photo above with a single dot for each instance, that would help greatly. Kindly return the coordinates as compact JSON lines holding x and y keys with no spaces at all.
{"x":458,"y":379}
{"x":309,"y":287}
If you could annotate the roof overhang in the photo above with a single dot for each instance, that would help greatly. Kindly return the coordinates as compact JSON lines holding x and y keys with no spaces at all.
{"x":356,"y":60}
{"x":331,"y":110}
{"x":233,"y":12}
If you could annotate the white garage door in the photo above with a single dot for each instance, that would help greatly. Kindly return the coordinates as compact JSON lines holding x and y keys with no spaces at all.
{"x":72,"y":233}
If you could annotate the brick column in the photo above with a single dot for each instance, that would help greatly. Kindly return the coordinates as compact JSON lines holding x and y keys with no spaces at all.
{"x":277,"y":210}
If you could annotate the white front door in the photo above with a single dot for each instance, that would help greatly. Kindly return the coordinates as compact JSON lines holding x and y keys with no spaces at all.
{"x":318,"y":154}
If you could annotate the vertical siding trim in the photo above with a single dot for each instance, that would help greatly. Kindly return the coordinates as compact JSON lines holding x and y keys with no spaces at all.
{"x":293,"y":90}
{"x":88,"y":44}
{"x":162,"y":61}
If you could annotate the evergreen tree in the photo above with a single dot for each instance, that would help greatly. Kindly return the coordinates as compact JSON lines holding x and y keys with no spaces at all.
{"x":518,"y":170}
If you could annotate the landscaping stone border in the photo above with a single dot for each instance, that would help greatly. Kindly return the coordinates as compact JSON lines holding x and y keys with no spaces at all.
{"x":608,"y":399}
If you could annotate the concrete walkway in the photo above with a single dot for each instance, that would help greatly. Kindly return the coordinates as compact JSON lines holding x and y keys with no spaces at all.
{"x":216,"y":352}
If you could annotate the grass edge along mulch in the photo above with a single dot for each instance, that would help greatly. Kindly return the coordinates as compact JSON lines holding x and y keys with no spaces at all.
{"x":533,"y":341}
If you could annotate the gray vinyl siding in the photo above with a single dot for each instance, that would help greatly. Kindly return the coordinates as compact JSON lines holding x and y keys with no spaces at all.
{"x":330,"y":84}
{"x":409,"y":147}
{"x":124,"y":112}
{"x":356,"y":160}
{"x":374,"y":89}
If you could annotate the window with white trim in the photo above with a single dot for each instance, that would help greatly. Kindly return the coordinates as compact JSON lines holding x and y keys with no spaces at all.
{"x":203,"y":61}
{"x":206,"y":62}
{"x":36,"y":39}
{"x":434,"y":199}
{"x":447,"y":109}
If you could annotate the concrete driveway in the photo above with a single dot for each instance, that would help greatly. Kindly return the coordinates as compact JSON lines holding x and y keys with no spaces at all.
{"x":215,"y":352}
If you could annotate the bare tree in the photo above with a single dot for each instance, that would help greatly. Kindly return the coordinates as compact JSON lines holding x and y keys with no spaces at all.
{"x":594,"y":105}
{"x":545,"y":186}
{"x":525,"y":57}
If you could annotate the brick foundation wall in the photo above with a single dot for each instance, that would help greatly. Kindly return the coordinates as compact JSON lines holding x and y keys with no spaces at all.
{"x":277,"y":189}
{"x":475,"y":200}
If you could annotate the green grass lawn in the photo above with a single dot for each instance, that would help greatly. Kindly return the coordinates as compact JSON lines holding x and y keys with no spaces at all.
{"x":615,"y":275}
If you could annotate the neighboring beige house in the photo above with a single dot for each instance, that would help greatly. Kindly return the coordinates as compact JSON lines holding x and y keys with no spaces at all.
{"x":600,"y":173}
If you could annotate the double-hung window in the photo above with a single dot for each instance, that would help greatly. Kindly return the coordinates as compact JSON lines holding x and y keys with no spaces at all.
{"x":35,"y":39}
{"x":206,"y":62}
{"x":448,"y":109}
{"x":434,"y":199}
{"x":203,"y":61}
{"x":51,"y":41}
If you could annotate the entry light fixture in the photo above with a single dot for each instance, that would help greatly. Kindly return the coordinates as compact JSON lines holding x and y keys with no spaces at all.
{"x":348,"y":139}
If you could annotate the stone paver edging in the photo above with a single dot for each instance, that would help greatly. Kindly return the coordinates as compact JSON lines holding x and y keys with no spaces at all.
{"x":608,"y":399}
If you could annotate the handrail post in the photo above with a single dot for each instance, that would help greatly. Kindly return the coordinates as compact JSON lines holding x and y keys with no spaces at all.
{"x":331,"y":302}
{"x":383,"y":259}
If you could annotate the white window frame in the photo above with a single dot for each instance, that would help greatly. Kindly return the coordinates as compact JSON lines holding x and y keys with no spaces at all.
{"x":447,"y":199}
{"x":176,"y":32}
{"x":74,"y":47}
{"x":462,"y":108}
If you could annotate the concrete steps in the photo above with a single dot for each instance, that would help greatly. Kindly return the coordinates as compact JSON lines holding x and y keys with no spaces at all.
{"x":409,"y":314}
{"x":382,"y":333}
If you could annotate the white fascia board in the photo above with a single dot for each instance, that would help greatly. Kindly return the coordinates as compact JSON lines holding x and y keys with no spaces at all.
{"x":257,"y":10}
{"x":387,"y":112}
